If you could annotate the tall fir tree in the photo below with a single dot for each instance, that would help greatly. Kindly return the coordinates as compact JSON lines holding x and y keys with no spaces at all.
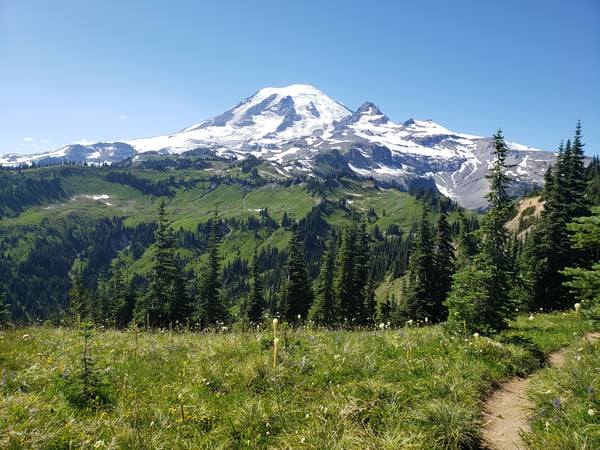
{"x":211,"y":305}
{"x":584,"y":280}
{"x":256,"y":301}
{"x":296,"y":291}
{"x":592,"y":175}
{"x":548,"y":249}
{"x":480,"y":297}
{"x":351,"y":276}
{"x":166,"y":301}
{"x":325,"y":310}
{"x":443,"y":261}
{"x":5,"y":315}
{"x":81,"y":301}
{"x":417,"y":301}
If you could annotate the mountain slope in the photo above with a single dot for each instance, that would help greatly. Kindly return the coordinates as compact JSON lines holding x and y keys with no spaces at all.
{"x":298,"y":128}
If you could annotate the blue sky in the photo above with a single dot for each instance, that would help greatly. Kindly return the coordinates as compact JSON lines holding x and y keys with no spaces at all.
{"x":100,"y":70}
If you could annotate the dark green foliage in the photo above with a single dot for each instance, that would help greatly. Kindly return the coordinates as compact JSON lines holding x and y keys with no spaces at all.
{"x":296,"y":291}
{"x":417,"y":302}
{"x":5,"y":315}
{"x":69,"y":232}
{"x":256,"y":301}
{"x":145,"y":186}
{"x":443,"y":264}
{"x":80,"y":300}
{"x":325,"y":310}
{"x":480,"y":298}
{"x":116,"y":296}
{"x":592,"y":175}
{"x":166,"y":302}
{"x":211,"y":300}
{"x":350,"y":278}
{"x":548,"y":248}
{"x":585,"y":279}
{"x":430,"y":271}
{"x":88,"y":386}
{"x":18,"y":190}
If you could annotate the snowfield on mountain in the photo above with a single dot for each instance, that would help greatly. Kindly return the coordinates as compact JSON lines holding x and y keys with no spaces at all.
{"x":302,"y":131}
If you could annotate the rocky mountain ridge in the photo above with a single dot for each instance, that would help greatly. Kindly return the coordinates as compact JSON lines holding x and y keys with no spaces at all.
{"x":302,"y":131}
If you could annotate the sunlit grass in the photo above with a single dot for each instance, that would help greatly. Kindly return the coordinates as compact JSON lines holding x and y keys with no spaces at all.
{"x":390,"y":388}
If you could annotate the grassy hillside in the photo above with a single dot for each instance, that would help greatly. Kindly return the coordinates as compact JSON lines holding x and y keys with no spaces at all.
{"x":55,"y":221}
{"x":385,"y":388}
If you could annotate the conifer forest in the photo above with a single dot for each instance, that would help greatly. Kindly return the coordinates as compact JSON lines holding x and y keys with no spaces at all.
{"x":198,"y":302}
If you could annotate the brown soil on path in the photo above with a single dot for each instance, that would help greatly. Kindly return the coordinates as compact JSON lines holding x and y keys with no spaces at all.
{"x":505,"y":415}
{"x":506,"y":410}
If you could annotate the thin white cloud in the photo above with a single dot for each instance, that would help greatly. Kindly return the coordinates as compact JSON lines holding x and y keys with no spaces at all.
{"x":122,"y":117}
{"x":46,"y":141}
{"x":29,"y":139}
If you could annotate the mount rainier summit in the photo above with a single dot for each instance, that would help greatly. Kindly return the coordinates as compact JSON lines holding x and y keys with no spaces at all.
{"x":300,"y":130}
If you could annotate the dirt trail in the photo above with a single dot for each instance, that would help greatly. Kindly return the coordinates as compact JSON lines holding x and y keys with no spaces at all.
{"x":506,"y":410}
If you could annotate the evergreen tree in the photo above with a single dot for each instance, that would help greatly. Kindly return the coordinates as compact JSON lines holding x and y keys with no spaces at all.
{"x":548,"y":249}
{"x":256,"y":298}
{"x":166,"y":301}
{"x":80,"y":299}
{"x":479,"y":299}
{"x":585,"y":279}
{"x":124,"y":295}
{"x":325,"y":310}
{"x":417,"y":302}
{"x":466,"y":244}
{"x":575,"y":179}
{"x":443,"y":265}
{"x":212,"y":305}
{"x":296,"y":291}
{"x":5,"y":314}
{"x":351,"y":277}
{"x":592,"y":175}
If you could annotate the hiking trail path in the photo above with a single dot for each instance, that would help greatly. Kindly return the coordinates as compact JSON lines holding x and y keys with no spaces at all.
{"x":506,"y":410}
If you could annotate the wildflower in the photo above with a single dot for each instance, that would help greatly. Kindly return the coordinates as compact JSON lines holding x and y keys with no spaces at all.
{"x":556,"y":403}
{"x":475,"y":335}
{"x":303,"y":440}
{"x":577,"y":308}
{"x":382,"y":326}
{"x":591,"y":412}
{"x":25,"y":336}
{"x":531,"y":317}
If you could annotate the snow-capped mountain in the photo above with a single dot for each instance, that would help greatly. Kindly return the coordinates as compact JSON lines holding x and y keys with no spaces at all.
{"x":302,"y":130}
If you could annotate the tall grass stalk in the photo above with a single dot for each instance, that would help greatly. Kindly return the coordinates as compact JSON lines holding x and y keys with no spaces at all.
{"x":414,"y":387}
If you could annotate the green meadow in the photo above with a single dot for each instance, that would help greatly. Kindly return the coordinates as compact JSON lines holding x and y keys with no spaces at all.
{"x":416,"y":387}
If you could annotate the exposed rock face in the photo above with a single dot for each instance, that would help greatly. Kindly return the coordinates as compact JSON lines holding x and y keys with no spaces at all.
{"x":302,"y":130}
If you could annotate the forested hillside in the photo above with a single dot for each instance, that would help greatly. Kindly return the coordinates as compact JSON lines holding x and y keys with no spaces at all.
{"x":196,"y":242}
{"x":97,"y":228}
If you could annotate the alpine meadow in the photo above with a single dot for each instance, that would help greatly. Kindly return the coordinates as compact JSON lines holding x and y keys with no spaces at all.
{"x":294,"y":274}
